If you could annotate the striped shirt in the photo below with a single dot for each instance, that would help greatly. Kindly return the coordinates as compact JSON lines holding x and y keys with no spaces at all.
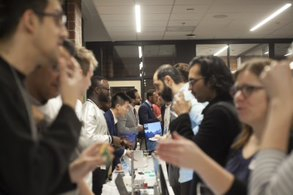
{"x":273,"y":173}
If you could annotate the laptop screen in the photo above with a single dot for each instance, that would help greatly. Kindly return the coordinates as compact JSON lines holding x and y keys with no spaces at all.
{"x":152,"y":129}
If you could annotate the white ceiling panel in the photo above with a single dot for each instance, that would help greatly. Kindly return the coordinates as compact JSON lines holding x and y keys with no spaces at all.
{"x":158,"y":9}
{"x":173,"y":19}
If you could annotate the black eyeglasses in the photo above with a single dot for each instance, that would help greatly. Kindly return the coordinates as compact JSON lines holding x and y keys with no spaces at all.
{"x":246,"y":90}
{"x":59,"y":18}
{"x":193,"y":81}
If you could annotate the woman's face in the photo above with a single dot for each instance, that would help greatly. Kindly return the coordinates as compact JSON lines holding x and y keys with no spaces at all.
{"x":250,"y":99}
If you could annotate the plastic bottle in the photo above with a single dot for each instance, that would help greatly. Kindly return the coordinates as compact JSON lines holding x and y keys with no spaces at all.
{"x":137,"y":146}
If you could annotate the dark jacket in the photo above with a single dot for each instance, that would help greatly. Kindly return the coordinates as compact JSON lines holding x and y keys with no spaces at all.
{"x":146,"y":114}
{"x":113,"y":132}
{"x":28,"y":166}
{"x":217,"y":131}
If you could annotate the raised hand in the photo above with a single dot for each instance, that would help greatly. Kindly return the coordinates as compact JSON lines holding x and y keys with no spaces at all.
{"x":180,"y":105}
{"x":70,"y":78}
{"x":90,"y":158}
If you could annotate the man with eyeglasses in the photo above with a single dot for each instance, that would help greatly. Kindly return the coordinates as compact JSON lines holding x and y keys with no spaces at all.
{"x":210,"y":81}
{"x":31,"y":34}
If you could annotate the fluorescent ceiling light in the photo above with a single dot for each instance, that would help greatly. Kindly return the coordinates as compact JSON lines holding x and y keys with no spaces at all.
{"x":266,"y":53}
{"x":275,"y":14}
{"x":221,"y":50}
{"x":139,"y":52}
{"x":288,"y":54}
{"x":137,"y":18}
{"x":140,"y":66}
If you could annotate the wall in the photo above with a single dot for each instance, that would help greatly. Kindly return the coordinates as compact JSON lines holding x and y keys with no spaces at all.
{"x":74,"y":20}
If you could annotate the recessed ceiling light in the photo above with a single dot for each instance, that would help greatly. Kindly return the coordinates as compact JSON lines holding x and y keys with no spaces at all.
{"x":220,"y":16}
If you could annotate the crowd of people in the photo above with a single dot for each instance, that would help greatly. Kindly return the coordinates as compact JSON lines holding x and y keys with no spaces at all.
{"x":63,"y":132}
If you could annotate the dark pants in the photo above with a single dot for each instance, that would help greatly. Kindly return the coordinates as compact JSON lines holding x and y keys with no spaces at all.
{"x":99,"y":178}
{"x":185,"y":188}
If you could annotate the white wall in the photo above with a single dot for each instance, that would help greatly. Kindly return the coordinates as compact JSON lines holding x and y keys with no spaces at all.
{"x":136,"y":84}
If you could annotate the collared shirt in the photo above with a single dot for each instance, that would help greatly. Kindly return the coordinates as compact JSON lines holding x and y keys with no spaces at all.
{"x":196,"y":117}
{"x":114,"y":117}
{"x":95,"y":127}
{"x":167,"y":118}
{"x":149,"y":103}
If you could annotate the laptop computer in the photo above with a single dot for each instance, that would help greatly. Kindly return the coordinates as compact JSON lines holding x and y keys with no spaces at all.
{"x":152,"y":129}
{"x":161,"y":175}
{"x":121,"y":185}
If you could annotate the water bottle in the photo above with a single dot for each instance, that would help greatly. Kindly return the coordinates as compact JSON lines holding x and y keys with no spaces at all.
{"x":137,"y":146}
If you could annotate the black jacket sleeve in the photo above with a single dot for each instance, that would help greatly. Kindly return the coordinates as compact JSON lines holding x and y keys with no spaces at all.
{"x":182,"y":125}
{"x":33,"y":167}
{"x":217,"y":132}
{"x":65,"y":184}
{"x":238,"y":188}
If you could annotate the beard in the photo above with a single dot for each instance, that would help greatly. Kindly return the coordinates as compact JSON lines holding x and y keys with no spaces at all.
{"x":167,"y":94}
{"x":104,"y":98}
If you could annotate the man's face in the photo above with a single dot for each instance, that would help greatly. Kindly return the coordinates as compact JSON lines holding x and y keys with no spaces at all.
{"x":122,"y":109}
{"x":104,"y":91}
{"x":153,"y":99}
{"x":197,"y":84}
{"x":50,"y":33}
{"x":137,"y":100}
{"x":162,"y":89}
{"x":86,"y":80}
{"x":44,"y":80}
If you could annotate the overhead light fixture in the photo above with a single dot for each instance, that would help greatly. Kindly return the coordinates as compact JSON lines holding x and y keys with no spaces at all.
{"x":266,"y":53}
{"x":138,"y":18}
{"x":139,"y":52}
{"x":221,"y":50}
{"x":275,"y":14}
{"x":140,"y":65}
{"x":288,"y":54}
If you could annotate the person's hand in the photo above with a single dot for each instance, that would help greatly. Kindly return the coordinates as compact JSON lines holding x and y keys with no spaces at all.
{"x":90,"y":159}
{"x":179,"y":151}
{"x":129,"y":153}
{"x":139,"y":128}
{"x":116,"y":141}
{"x":126,"y":143}
{"x":278,"y":82}
{"x":180,"y":105}
{"x":70,"y":78}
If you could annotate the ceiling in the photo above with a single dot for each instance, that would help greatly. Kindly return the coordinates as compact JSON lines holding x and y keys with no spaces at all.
{"x":113,"y":20}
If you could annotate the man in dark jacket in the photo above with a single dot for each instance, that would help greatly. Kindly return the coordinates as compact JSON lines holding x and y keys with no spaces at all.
{"x":210,"y":80}
{"x":31,"y":32}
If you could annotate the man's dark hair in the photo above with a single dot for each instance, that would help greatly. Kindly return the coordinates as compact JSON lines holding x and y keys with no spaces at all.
{"x":95,"y":82}
{"x":183,"y":68}
{"x":11,"y":12}
{"x":169,"y":70}
{"x":215,"y":72}
{"x":70,"y":47}
{"x":131,"y":93}
{"x":119,"y":98}
{"x":149,"y":93}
